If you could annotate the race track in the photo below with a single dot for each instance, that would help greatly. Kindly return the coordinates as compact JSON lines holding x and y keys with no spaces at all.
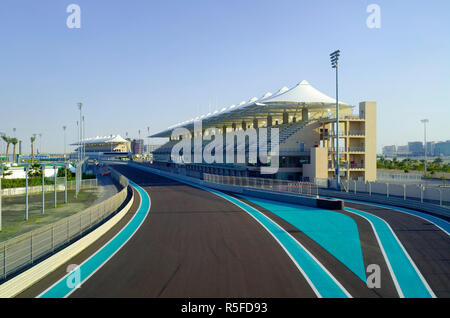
{"x":196,"y":242}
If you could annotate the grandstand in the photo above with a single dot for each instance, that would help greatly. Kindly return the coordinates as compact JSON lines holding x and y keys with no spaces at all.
{"x":306,"y":120}
{"x":113,"y":146}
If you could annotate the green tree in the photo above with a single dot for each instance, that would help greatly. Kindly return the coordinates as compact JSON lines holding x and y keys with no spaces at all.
{"x":35,"y":171}
{"x":14,"y":141}
{"x":32,"y":139}
{"x":8,"y":142}
{"x":6,"y":172}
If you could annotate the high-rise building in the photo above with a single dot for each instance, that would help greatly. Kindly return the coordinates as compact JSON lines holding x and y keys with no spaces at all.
{"x":137,"y":146}
{"x":416,"y":148}
{"x":390,"y":151}
{"x":442,"y":148}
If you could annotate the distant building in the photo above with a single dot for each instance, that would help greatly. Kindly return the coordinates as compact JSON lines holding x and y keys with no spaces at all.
{"x":416,"y":148}
{"x":430,"y":148}
{"x":101,"y":147}
{"x":137,"y":146}
{"x":442,"y":148}
{"x":390,"y":151}
{"x":402,"y":150}
{"x":150,"y":148}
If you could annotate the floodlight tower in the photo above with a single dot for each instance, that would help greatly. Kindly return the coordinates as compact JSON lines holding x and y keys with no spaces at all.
{"x":148,"y":134}
{"x":334,"y":64}
{"x":425,"y":122}
{"x":80,"y":106}
{"x":64,"y":128}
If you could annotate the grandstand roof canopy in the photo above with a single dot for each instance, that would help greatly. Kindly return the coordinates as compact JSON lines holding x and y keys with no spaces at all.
{"x":303,"y":95}
{"x":112,"y":139}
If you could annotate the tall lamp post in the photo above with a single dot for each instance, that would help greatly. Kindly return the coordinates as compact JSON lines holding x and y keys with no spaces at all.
{"x":425,"y":122}
{"x":334,"y":64}
{"x":40,"y":143}
{"x":148,"y":145}
{"x":80,"y":105}
{"x":1,"y":177}
{"x":64,"y":128}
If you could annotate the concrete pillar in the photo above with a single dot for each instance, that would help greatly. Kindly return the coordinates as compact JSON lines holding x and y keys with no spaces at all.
{"x":304,"y":114}
{"x":244,"y":125}
{"x":269,"y":121}
{"x":285,"y":117}
{"x":233,"y":126}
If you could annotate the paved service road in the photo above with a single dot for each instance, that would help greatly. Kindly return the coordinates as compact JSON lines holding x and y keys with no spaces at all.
{"x":195,"y":244}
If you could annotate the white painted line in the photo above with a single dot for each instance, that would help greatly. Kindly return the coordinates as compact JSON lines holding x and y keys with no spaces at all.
{"x":394,"y":278}
{"x":427,"y":286}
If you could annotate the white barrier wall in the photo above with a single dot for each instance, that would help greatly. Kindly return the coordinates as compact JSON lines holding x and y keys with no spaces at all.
{"x":408,"y":191}
{"x":19,"y":172}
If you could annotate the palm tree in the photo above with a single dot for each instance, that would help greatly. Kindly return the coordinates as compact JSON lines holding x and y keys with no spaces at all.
{"x":14,"y":141}
{"x":8,"y":141}
{"x":32,"y":139}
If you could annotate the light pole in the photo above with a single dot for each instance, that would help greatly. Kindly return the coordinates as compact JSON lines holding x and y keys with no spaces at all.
{"x":78,"y":131}
{"x":80,"y":105}
{"x":334,"y":64}
{"x":64,"y":129}
{"x":148,"y":145}
{"x":40,"y":143}
{"x":1,"y":177}
{"x":55,"y":169}
{"x":43,"y":187}
{"x":425,"y":122}
{"x":26,"y":191}
{"x":66,"y":166}
{"x":83,"y":138}
{"x":139,"y":143}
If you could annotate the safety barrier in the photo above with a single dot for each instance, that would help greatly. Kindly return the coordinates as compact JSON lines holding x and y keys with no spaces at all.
{"x":24,"y":250}
{"x":85,"y":184}
{"x":417,"y":192}
{"x":304,"y":188}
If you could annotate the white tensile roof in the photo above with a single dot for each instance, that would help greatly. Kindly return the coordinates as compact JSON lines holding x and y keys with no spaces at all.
{"x":112,"y":139}
{"x":302,"y":93}
{"x":300,"y":96}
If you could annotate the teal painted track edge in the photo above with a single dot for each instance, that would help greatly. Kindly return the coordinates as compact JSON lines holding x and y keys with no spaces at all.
{"x":407,"y":276}
{"x":323,"y":283}
{"x":60,"y":289}
{"x":440,"y":223}
{"x":306,"y":220}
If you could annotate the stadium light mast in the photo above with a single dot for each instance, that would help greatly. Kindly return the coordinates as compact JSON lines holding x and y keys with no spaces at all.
{"x":64,"y":128}
{"x":80,"y":105}
{"x":425,"y":122}
{"x":334,"y":64}
{"x":148,"y":145}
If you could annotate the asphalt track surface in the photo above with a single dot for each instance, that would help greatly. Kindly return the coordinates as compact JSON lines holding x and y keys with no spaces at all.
{"x":196,"y":244}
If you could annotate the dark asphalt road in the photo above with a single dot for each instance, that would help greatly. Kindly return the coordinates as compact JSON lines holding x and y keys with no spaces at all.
{"x":428,"y":246}
{"x":196,"y":244}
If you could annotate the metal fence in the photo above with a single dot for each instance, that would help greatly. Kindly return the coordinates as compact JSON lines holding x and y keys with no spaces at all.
{"x":23,"y":250}
{"x":305,"y":188}
{"x":407,"y":191}
{"x":60,"y":184}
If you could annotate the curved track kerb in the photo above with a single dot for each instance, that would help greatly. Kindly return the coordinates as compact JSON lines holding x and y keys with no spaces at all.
{"x":61,"y":288}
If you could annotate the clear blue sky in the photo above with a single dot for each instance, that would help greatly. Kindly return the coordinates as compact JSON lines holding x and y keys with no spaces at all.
{"x":142,"y":63}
